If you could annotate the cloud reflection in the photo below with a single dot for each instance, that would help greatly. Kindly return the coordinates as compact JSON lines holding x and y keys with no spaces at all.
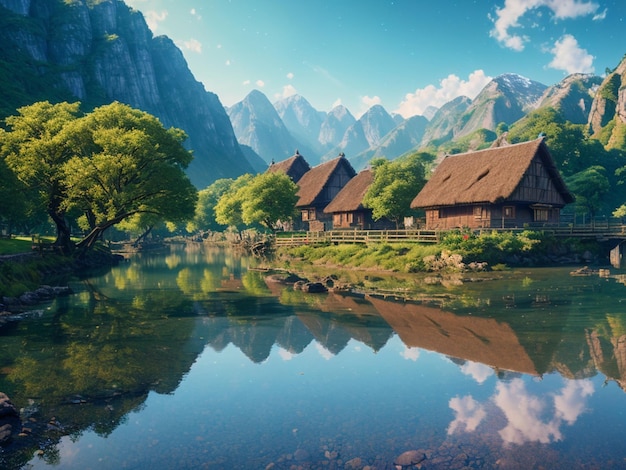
{"x":412,"y":354}
{"x":479,"y":372}
{"x":530,"y":418}
{"x":468,"y":414}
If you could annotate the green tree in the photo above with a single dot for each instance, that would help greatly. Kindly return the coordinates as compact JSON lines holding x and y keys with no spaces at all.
{"x":395,"y":185}
{"x":12,"y":209}
{"x":228,"y":208}
{"x":269,"y":199}
{"x":127,"y":167}
{"x":590,"y":187}
{"x":204,"y":217}
{"x":35,"y":149}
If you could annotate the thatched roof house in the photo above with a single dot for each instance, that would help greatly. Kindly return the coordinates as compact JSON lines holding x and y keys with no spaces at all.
{"x":319,"y":186}
{"x":294,"y":167}
{"x":498,"y":187}
{"x":347,"y":207}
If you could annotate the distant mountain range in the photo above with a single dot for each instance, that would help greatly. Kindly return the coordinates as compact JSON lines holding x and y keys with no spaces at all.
{"x":504,"y":100}
{"x":99,"y":52}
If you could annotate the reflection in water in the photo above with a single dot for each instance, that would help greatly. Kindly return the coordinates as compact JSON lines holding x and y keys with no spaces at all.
{"x":331,"y":377}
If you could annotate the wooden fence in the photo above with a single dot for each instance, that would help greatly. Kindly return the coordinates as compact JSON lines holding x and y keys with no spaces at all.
{"x":597,"y":231}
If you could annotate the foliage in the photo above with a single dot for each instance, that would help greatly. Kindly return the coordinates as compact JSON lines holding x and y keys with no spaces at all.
{"x":590,"y":187}
{"x":266,"y":199}
{"x":228,"y":207}
{"x":127,"y":167}
{"x":492,"y":247}
{"x":112,"y":165}
{"x":36,"y":150}
{"x":269,"y":199}
{"x":204,"y":217}
{"x":395,"y":185}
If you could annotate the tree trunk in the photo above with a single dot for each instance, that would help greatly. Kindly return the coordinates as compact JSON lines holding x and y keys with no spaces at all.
{"x":63,"y":241}
{"x":142,"y":236}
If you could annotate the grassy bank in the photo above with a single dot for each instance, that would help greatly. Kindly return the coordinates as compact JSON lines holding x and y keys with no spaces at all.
{"x":458,"y":251}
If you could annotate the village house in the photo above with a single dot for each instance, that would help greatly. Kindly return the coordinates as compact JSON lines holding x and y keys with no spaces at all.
{"x":318,"y":187}
{"x":502,"y":187}
{"x":294,"y":167}
{"x":347,"y":207}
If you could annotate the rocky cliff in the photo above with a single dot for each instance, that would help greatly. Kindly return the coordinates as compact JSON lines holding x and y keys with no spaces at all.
{"x":607,"y":119}
{"x":102,"y":51}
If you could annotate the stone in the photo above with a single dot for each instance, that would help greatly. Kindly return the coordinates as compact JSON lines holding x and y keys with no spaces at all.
{"x":314,"y":287}
{"x":354,"y":464}
{"x":5,"y":432}
{"x":6,"y":407}
{"x":409,"y":458}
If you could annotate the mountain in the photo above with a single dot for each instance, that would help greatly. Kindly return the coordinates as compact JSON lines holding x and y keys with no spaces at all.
{"x":303,"y":122}
{"x":100,"y":52}
{"x":404,"y":137}
{"x":258,"y":125}
{"x":607,"y":119}
{"x":334,"y":126}
{"x":441,"y":126}
{"x":366,"y":132}
{"x":572,"y":96}
{"x":506,"y":98}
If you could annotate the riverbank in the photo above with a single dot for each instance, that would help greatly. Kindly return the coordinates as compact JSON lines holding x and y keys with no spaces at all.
{"x":28,"y":279}
{"x":458,"y":252}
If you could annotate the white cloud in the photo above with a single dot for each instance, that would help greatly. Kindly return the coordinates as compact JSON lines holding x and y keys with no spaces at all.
{"x":479,"y":372}
{"x":193,"y":45}
{"x":468,"y":414}
{"x":246,"y":82}
{"x":193,"y":12}
{"x":570,"y":57}
{"x":153,"y":18}
{"x":336,"y":103}
{"x":449,"y":88}
{"x":227,"y":62}
{"x":260,"y":83}
{"x":509,"y":15}
{"x":288,"y":90}
{"x":290,"y":76}
{"x":367,"y":102}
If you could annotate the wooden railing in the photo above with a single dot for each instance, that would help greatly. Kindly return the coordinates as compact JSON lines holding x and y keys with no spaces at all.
{"x":597,"y":231}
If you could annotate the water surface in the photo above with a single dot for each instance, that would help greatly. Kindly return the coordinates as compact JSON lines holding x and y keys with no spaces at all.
{"x":191,"y":360}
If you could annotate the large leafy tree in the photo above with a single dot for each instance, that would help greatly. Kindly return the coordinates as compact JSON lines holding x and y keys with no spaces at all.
{"x":228,"y":208}
{"x":126,"y":165}
{"x":395,"y":185}
{"x":265,"y":199}
{"x":204,"y":217}
{"x":35,"y":149}
{"x":269,"y":199}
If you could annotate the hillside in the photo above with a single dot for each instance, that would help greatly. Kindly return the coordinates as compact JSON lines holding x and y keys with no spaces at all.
{"x":99,"y":52}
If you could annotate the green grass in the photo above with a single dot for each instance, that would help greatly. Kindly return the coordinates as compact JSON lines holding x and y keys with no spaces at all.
{"x":15,"y":245}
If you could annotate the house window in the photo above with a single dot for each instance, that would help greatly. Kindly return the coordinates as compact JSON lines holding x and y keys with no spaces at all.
{"x":305,"y":215}
{"x":508,"y":212}
{"x":542,"y":215}
{"x":478,"y":212}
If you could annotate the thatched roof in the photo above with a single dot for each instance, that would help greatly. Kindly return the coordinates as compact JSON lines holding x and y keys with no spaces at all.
{"x":486,"y":176}
{"x":294,"y":167}
{"x":350,"y":198}
{"x":313,"y":182}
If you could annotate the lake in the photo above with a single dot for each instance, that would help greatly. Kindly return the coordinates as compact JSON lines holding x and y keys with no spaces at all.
{"x":191,"y":360}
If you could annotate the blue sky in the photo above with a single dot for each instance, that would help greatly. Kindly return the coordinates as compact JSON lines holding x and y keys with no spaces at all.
{"x":403,"y":54}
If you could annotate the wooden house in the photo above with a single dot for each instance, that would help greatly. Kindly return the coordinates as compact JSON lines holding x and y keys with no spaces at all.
{"x":347,"y":207}
{"x":294,"y":167}
{"x":507,"y":187}
{"x":318,"y":187}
